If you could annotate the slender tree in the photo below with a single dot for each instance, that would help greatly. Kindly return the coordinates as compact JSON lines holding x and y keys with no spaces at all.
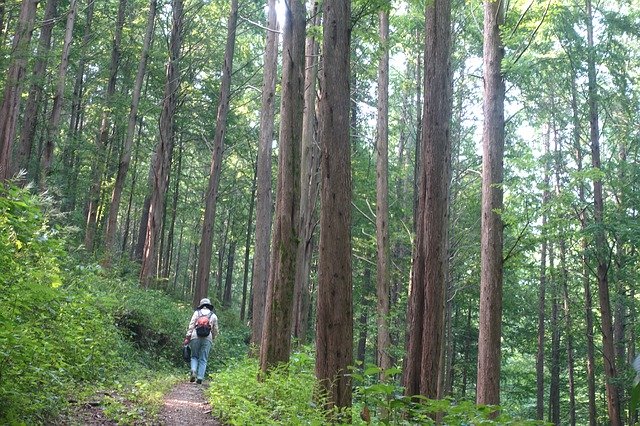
{"x":382,"y":197}
{"x":206,"y":241}
{"x":490,"y":316}
{"x":334,"y":326}
{"x":125,"y":158}
{"x":428,"y":280}
{"x":98,"y":168}
{"x":276,"y":336}
{"x":309,"y":184}
{"x":34,"y":100}
{"x":602,"y":252}
{"x":10,"y":107}
{"x":161,"y":159}
{"x":263,"y":176}
{"x":53,"y":125}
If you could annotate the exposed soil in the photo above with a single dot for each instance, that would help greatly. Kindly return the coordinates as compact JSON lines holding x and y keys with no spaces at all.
{"x":184,"y":405}
{"x":187,"y":405}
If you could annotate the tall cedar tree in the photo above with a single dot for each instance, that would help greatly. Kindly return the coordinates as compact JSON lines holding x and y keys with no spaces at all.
{"x":161,"y":160}
{"x":53,"y":126}
{"x":10,"y":107}
{"x":204,"y":256}
{"x":426,"y":302}
{"x":309,"y":184}
{"x":490,"y":315}
{"x":263,"y":176}
{"x":602,"y":251}
{"x":382,"y":197}
{"x":276,"y":336}
{"x":334,"y":326}
{"x":125,"y":158}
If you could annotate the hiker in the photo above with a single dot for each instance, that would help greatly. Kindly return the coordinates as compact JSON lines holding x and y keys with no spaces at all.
{"x":203,"y":328}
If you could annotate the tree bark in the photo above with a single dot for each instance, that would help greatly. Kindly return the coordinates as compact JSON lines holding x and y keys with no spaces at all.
{"x":309,"y":184}
{"x":490,"y":316}
{"x":382,"y":200}
{"x":263,"y":203}
{"x":228,"y":283}
{"x":276,"y":336}
{"x":334,"y":327}
{"x":204,"y":256}
{"x":32,"y":107}
{"x":608,"y":345}
{"x":53,"y":126}
{"x":247,"y":247}
{"x":554,"y":385}
{"x":125,"y":158}
{"x":428,"y":280}
{"x":161,"y":160}
{"x":98,"y":167}
{"x":10,"y":107}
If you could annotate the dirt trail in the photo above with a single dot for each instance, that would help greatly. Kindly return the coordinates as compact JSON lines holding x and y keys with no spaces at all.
{"x":187,"y":405}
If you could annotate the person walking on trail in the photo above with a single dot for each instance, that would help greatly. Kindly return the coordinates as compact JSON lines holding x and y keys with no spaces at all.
{"x":203,"y":328}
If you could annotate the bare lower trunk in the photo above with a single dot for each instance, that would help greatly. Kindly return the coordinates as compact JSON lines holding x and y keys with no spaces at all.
{"x":53,"y":125}
{"x":490,"y":314}
{"x":206,"y":241}
{"x":125,"y":158}
{"x":263,"y":188}
{"x":334,"y":337}
{"x":10,"y":107}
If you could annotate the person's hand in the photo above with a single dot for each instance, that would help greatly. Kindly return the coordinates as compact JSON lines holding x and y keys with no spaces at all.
{"x":186,"y":341}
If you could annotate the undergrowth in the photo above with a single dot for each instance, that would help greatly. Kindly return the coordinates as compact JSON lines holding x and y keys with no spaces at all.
{"x":71,"y":332}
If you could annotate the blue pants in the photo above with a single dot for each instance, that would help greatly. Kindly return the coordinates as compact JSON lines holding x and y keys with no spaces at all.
{"x":200,"y":348}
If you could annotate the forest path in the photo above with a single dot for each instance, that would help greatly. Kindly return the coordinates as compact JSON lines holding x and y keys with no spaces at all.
{"x":186,"y":404}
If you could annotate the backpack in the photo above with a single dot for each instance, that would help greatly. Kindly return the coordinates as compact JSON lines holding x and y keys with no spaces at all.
{"x":203,"y":327}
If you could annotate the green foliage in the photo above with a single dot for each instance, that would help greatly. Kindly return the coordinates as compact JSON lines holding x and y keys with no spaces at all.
{"x":285,"y":396}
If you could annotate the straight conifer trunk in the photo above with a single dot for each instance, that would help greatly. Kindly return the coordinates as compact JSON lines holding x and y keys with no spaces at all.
{"x":206,"y":241}
{"x":429,"y":273}
{"x":53,"y":126}
{"x":125,"y":158}
{"x":383,"y":359}
{"x":161,"y":161}
{"x":490,"y":316}
{"x":276,"y":336}
{"x":334,"y":327}
{"x":10,"y":107}
{"x":32,"y":107}
{"x":261,"y":255}
{"x":608,"y":345}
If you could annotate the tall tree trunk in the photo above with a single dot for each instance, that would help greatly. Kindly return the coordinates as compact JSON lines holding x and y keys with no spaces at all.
{"x":168,"y":253}
{"x":276,"y":336}
{"x":546,"y":195}
{"x":490,"y":316}
{"x":125,"y":158}
{"x":161,"y":161}
{"x":608,"y":345}
{"x":10,"y":107}
{"x":363,"y":319}
{"x":309,"y":181}
{"x":76,"y":117}
{"x":228,"y":283}
{"x":32,"y":107}
{"x":554,"y":385}
{"x":382,"y":199}
{"x":428,"y":280}
{"x":53,"y":126}
{"x":589,"y":329}
{"x":98,"y":167}
{"x":263,"y":205}
{"x":204,"y":256}
{"x":247,"y":247}
{"x":334,"y":328}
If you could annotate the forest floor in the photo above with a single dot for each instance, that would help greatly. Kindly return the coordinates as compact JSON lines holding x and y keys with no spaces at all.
{"x":185,"y":404}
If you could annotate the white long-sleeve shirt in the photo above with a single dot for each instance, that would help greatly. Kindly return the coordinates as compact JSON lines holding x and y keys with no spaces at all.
{"x":213,"y":321}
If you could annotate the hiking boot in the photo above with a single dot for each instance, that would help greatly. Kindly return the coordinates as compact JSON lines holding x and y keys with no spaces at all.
{"x":199,"y":381}
{"x":192,"y":377}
